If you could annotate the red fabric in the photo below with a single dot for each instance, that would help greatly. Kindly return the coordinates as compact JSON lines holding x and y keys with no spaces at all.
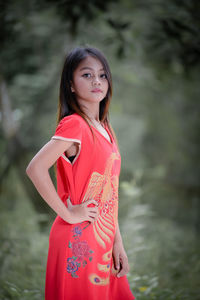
{"x":79,"y":264}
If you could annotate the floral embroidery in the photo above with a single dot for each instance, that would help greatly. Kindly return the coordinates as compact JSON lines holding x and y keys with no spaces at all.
{"x":77,"y":230}
{"x":72,"y":266}
{"x":80,"y":252}
{"x":80,"y":249}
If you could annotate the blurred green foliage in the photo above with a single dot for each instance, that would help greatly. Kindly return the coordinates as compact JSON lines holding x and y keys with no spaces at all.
{"x":153,"y":50}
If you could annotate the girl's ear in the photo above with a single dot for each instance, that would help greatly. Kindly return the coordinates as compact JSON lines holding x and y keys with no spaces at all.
{"x":71,"y":85}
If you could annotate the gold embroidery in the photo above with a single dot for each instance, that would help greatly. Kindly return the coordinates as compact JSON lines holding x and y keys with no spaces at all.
{"x":98,"y":280}
{"x":107,"y":255}
{"x":106,"y":223}
{"x":102,"y":233}
{"x":99,"y":240}
{"x":104,"y":268}
{"x":95,"y":279}
{"x":99,"y":221}
{"x":104,"y":189}
{"x":107,"y":219}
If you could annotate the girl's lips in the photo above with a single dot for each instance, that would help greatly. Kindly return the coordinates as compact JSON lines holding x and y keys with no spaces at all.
{"x":97,"y":91}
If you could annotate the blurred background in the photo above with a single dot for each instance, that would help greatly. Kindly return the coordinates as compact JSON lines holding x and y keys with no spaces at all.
{"x":153,"y":48}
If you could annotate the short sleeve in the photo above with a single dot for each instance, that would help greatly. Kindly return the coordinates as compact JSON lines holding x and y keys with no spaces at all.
{"x":69,"y":129}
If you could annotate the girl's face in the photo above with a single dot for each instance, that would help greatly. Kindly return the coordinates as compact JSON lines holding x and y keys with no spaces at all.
{"x":90,"y":83}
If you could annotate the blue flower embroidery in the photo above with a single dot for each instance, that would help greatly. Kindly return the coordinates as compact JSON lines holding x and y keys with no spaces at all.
{"x":72,"y":266}
{"x":77,"y":230}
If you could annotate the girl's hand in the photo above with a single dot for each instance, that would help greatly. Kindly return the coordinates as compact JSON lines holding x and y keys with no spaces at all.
{"x":120,"y":259}
{"x":81,"y":212}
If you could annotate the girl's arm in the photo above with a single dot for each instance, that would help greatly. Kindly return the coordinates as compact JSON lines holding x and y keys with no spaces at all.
{"x":118,"y":238}
{"x":38,"y":171}
{"x":119,"y":254}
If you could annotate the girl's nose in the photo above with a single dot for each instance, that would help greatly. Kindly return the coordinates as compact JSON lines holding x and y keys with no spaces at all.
{"x":96,"y":80}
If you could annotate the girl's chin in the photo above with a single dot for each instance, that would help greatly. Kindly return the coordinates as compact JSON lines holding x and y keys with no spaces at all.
{"x":91,"y":100}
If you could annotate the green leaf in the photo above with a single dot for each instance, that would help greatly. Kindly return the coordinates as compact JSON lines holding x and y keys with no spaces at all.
{"x":84,"y":263}
{"x":74,"y":275}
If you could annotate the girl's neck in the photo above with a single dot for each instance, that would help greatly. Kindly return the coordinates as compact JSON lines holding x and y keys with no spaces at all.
{"x":92,"y":113}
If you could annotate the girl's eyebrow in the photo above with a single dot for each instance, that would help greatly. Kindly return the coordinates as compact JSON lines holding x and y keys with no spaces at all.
{"x":90,"y":69}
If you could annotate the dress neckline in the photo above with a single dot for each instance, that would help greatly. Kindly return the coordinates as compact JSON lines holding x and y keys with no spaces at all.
{"x":111,"y":139}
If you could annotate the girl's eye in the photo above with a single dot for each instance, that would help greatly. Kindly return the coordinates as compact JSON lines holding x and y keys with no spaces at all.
{"x":103,"y":76}
{"x":87,"y":75}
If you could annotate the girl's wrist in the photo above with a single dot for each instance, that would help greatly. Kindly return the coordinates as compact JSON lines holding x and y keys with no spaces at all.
{"x":68,"y":216}
{"x":117,"y":240}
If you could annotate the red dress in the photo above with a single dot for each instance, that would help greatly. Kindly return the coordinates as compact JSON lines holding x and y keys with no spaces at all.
{"x":79,"y":264}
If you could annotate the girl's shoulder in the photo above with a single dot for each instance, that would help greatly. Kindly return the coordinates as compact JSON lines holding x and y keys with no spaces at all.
{"x":73,"y":119}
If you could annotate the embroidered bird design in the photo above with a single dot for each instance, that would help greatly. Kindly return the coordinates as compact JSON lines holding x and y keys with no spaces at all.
{"x":104,"y":189}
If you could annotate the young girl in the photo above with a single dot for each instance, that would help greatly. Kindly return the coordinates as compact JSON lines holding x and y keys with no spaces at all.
{"x":86,"y":258}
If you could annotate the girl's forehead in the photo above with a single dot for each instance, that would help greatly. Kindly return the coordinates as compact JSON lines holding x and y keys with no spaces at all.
{"x":90,"y":62}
